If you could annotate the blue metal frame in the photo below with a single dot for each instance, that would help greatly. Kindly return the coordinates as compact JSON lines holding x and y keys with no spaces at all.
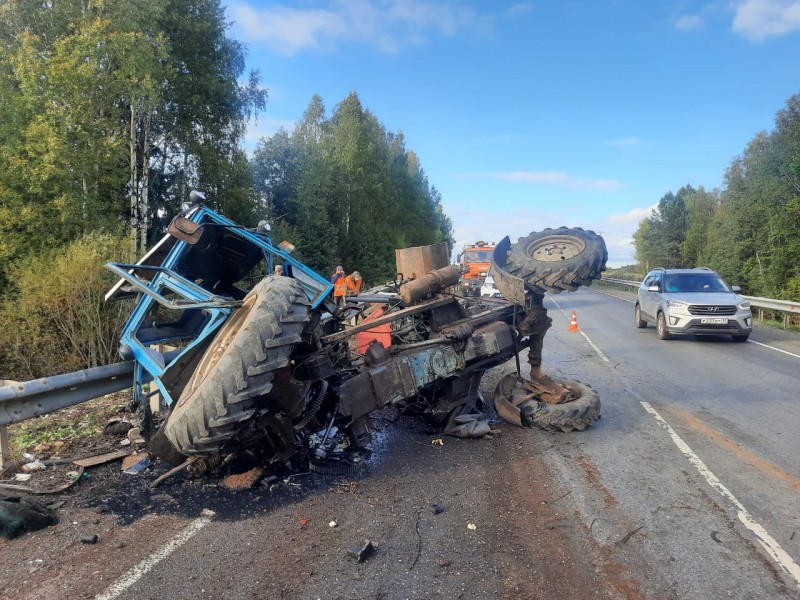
{"x":153,"y":364}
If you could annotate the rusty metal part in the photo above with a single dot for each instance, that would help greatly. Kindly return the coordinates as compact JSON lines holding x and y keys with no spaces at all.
{"x":186,"y":464}
{"x":429,"y":284}
{"x":406,"y":312}
{"x":545,"y":389}
{"x":511,"y":287}
{"x":415,"y":262}
{"x":557,"y":248}
{"x":204,"y":464}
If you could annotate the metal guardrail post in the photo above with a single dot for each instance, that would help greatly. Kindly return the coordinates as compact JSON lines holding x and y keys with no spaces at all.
{"x":5,"y":450}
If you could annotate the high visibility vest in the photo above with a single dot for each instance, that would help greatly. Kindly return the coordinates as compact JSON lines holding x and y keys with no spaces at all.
{"x":339,"y":287}
{"x":353,"y":284}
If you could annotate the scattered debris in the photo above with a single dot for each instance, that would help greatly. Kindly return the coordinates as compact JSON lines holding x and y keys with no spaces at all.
{"x":135,"y":435}
{"x":437,"y":509}
{"x":629,"y":535}
{"x":184,"y":465}
{"x":117,"y":427}
{"x":90,"y":539}
{"x":437,"y":442}
{"x":22,"y":476}
{"x":472,"y":526}
{"x":443,"y":562}
{"x":333,"y":524}
{"x":136,"y":463}
{"x":131,"y":460}
{"x":243,"y":481}
{"x":100,"y":459}
{"x":364,"y":552}
{"x":303,"y":522}
{"x":21,"y":515}
{"x":715,"y":537}
{"x":36,"y":465}
{"x":30,"y":490}
{"x":124,"y":442}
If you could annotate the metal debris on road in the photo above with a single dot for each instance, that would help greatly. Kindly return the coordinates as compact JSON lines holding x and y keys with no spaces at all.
{"x":362,"y":553}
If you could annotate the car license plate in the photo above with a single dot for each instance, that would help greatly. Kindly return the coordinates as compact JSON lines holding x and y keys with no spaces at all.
{"x":714,"y":321}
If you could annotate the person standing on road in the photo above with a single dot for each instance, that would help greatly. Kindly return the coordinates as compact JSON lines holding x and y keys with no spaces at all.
{"x":339,"y":281}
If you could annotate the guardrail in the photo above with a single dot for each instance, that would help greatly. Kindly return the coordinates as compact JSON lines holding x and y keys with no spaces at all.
{"x":785,"y":306}
{"x":23,"y":400}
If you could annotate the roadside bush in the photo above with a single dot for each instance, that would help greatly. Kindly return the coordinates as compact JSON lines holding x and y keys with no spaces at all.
{"x":54,"y":319}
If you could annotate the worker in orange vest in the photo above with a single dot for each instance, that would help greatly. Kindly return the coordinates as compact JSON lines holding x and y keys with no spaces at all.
{"x":353,"y":282}
{"x":339,"y":281}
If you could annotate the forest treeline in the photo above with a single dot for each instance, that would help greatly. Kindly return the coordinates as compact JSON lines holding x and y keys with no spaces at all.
{"x":749,"y":230}
{"x":111,"y":111}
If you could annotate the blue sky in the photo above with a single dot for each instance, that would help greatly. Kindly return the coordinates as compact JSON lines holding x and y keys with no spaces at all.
{"x":527,"y":115}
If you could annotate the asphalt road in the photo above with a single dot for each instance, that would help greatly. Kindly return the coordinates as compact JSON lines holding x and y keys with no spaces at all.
{"x":697,"y":446}
{"x":686,"y":488}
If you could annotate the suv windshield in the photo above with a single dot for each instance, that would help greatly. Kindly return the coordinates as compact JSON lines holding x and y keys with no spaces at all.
{"x":694,"y":282}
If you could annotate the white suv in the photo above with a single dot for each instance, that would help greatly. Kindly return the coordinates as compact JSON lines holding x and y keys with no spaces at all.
{"x":692,"y":301}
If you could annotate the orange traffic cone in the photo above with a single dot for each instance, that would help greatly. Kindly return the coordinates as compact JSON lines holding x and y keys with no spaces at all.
{"x":573,"y":323}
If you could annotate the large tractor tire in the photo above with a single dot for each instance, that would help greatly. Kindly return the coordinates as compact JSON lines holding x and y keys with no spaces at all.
{"x":554,"y":260}
{"x":238,"y":368}
{"x":515,"y":405}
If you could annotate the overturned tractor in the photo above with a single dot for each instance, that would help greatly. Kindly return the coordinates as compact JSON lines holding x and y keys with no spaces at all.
{"x":271,"y":366}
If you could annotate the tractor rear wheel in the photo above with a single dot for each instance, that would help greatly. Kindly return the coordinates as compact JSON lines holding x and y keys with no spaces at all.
{"x":554,"y":260}
{"x":239,"y":368}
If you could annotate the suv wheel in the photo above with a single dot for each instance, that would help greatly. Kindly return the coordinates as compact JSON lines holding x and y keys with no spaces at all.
{"x":661,"y":327}
{"x":637,"y":317}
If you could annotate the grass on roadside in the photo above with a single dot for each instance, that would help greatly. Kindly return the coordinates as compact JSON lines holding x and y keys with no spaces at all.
{"x":67,"y":426}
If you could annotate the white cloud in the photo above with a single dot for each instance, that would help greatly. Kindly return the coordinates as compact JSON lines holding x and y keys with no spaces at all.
{"x":633,"y":216}
{"x":519,"y":9}
{"x":559,"y":178}
{"x":687,"y":22}
{"x":388,"y":25}
{"x":627,"y":142}
{"x":759,"y":19}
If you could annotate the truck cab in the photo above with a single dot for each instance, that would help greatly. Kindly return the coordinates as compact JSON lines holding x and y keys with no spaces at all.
{"x":474,"y":261}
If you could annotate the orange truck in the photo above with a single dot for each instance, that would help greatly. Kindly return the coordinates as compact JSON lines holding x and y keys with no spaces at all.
{"x":474,"y":261}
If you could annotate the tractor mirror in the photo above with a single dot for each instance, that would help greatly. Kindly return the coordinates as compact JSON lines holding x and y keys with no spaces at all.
{"x":185,"y":230}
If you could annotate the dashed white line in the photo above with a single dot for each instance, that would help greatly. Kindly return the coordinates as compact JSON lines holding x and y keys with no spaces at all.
{"x":770,"y":545}
{"x":136,"y":573}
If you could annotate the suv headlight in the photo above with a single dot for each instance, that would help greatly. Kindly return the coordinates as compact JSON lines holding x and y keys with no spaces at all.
{"x":677,"y":305}
{"x":744,"y":304}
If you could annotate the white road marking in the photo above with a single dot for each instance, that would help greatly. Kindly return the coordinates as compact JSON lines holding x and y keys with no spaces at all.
{"x":135,"y":573}
{"x":774,"y":348}
{"x":770,"y":545}
{"x":748,"y":341}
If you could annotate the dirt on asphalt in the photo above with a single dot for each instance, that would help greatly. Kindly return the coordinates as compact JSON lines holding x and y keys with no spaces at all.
{"x":447,"y":518}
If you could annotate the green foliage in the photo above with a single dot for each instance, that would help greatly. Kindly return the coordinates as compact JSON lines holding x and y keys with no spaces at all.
{"x":347,"y":191}
{"x":112,"y":110}
{"x":56,"y":320}
{"x":749,"y":231}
